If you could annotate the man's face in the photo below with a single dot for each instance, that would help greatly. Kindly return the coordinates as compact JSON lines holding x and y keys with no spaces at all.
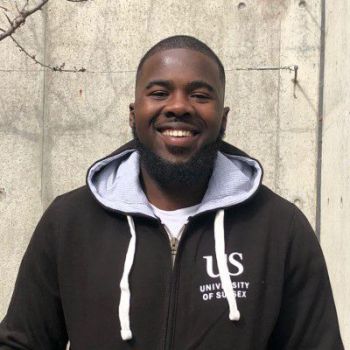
{"x":178,"y":105}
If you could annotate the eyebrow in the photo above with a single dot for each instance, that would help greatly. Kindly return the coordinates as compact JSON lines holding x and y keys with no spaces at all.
{"x":166,"y":83}
{"x":196,"y":84}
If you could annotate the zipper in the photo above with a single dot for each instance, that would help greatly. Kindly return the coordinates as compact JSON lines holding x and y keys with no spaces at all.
{"x":174,"y":242}
{"x":171,"y":310}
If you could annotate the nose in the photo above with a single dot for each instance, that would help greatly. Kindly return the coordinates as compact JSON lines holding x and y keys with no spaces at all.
{"x":178,"y":105}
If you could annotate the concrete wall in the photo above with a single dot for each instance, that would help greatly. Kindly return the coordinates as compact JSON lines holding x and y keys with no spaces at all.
{"x":54,"y":125}
{"x":335,"y":195}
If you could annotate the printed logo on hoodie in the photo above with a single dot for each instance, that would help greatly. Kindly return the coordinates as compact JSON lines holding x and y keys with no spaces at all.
{"x":213,"y":291}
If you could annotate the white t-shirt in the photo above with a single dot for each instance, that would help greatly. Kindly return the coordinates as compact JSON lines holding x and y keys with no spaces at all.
{"x":174,"y":220}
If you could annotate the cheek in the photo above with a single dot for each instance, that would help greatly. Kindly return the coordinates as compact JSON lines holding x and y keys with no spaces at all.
{"x":146,"y":111}
{"x":212,"y":118}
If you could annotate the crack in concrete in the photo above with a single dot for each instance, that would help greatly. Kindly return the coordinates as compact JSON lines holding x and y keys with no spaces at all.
{"x":292,"y":68}
{"x":21,"y":70}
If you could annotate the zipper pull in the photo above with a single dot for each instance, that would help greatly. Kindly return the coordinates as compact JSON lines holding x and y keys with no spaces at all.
{"x":174,"y":243}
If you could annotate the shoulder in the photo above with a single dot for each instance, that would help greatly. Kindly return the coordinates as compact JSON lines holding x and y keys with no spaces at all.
{"x":266,"y":197}
{"x":81,"y":196}
{"x":283,"y":219}
{"x":73,"y":206}
{"x":269,"y":205}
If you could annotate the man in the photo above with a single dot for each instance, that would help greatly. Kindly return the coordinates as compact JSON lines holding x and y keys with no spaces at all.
{"x":174,"y":243}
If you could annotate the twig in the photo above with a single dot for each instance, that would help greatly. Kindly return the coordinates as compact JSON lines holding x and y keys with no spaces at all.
{"x":21,"y":18}
{"x":57,"y":68}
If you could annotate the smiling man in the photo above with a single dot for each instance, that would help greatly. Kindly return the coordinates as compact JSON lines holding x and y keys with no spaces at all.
{"x":178,"y":120}
{"x":174,"y":243}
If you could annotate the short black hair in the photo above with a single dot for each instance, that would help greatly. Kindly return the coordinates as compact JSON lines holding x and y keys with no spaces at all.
{"x":182,"y":42}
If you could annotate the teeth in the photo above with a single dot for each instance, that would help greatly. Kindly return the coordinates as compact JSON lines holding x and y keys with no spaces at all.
{"x":177,"y":133}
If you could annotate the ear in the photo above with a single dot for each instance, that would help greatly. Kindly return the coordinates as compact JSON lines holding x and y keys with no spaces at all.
{"x":224,"y":118}
{"x":132,"y":114}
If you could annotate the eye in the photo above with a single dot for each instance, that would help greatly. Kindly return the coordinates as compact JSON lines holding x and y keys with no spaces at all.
{"x":200,"y":96}
{"x":159,"y":94}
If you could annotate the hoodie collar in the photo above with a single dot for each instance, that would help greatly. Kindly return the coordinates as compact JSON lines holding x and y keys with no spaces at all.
{"x":114,"y":182}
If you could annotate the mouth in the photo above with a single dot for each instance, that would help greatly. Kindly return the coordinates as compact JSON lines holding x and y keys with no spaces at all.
{"x":181,"y":135}
{"x":177,"y":129}
{"x":177,"y":133}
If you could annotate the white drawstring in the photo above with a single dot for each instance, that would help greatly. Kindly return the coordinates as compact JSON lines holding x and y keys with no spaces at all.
{"x":219,"y":236}
{"x":124,"y":304}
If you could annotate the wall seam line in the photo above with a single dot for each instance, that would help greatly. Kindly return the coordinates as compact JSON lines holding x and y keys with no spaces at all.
{"x":43,"y":124}
{"x":320,"y":119}
{"x":278,"y":123}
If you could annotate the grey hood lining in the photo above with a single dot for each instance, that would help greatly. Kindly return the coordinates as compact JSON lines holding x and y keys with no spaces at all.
{"x":114,"y":181}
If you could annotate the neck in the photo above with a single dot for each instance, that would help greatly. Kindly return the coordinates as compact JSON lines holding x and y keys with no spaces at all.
{"x":173,"y":196}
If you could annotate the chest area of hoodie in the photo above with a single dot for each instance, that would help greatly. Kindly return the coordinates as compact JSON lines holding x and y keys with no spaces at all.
{"x":92,"y":258}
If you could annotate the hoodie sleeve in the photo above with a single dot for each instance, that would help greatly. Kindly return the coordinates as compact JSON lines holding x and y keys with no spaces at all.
{"x":34,"y":320}
{"x":307,"y":319}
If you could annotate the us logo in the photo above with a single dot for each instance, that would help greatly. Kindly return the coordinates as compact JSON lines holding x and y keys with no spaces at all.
{"x":213,"y":291}
{"x":235,"y":263}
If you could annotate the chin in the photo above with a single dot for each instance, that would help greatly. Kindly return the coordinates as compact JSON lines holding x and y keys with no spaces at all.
{"x":173,"y":170}
{"x":176,"y":159}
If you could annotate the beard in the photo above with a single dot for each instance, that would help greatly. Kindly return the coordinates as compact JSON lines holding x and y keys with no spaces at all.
{"x":192,"y":172}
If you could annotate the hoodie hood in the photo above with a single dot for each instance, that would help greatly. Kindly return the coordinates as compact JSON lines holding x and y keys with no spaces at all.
{"x":114,"y":181}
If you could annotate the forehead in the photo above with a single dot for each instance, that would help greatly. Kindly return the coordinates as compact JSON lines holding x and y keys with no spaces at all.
{"x":180,"y":64}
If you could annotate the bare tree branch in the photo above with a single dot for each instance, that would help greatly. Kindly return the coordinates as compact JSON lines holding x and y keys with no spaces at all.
{"x":21,"y":18}
{"x":57,"y":68}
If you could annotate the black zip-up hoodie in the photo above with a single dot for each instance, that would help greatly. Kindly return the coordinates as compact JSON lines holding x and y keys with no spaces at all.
{"x":248,"y":274}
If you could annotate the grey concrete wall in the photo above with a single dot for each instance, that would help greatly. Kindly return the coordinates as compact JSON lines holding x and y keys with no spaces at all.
{"x":335,"y":194}
{"x":54,"y":125}
{"x":21,"y":114}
